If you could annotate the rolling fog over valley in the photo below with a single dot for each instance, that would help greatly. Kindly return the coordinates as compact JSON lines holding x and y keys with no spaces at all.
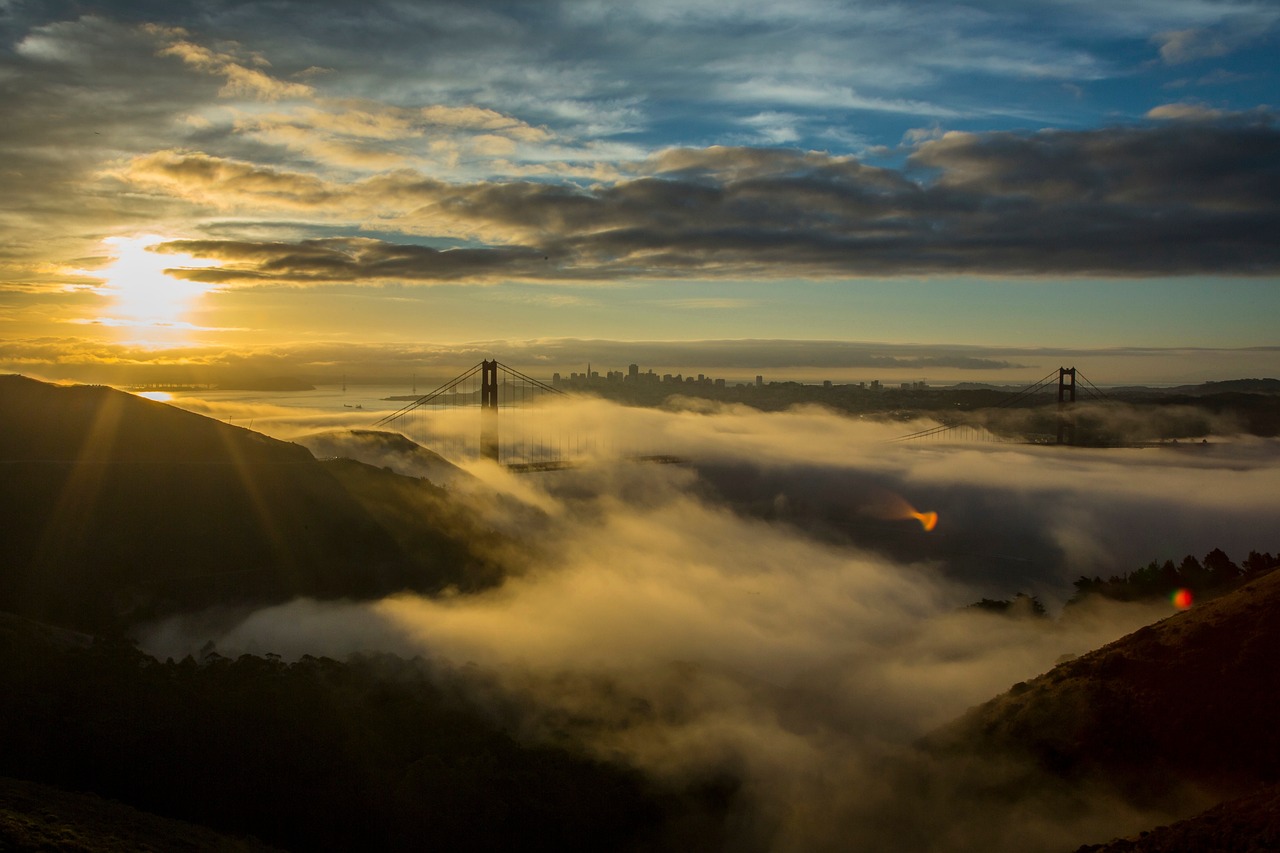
{"x":770,"y":606}
{"x":701,"y":426}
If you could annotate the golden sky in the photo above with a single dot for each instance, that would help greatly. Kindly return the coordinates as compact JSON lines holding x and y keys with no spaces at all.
{"x":961,"y":194}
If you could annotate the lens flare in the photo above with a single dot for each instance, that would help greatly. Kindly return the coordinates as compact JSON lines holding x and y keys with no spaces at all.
{"x":888,"y":505}
{"x":1181,"y":599}
{"x":928,"y":520}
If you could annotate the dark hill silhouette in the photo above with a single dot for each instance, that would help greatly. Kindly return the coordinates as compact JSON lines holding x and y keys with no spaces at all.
{"x":377,"y":753}
{"x":1244,"y":825}
{"x":1167,"y":720}
{"x":117,"y":508}
{"x":1188,"y":699}
{"x":1245,"y":386}
{"x":37,"y":818}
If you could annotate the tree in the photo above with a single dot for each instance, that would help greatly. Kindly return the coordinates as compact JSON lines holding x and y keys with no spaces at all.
{"x":1259,"y":564}
{"x":1222,"y":572}
{"x":1193,"y":574}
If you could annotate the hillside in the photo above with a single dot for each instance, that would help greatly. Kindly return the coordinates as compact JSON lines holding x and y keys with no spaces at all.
{"x":117,"y":508}
{"x":1166,"y":721}
{"x":378,"y":753}
{"x":37,"y":818}
{"x":1238,"y":386}
{"x":1190,"y":698}
{"x":1244,"y":825}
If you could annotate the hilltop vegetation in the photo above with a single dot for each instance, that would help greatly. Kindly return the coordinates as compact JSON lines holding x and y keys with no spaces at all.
{"x":1215,"y":574}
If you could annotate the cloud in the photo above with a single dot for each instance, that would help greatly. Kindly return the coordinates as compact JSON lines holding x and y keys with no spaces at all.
{"x":1196,"y":198}
{"x":242,"y":80}
{"x":1182,"y":46}
{"x":1011,"y":516}
{"x":353,"y":259}
{"x":368,"y":135}
{"x":222,"y":182}
{"x":1184,"y":112}
{"x":662,"y":621}
{"x":321,"y":362}
{"x":507,"y":133}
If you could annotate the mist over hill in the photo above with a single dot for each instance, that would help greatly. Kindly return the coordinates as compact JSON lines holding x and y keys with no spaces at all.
{"x":743,"y":652}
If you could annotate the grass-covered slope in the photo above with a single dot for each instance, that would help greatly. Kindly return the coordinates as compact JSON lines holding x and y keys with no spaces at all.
{"x":1248,"y":824}
{"x":37,"y":818}
{"x":1188,"y":700}
{"x":1148,"y":730}
{"x":115,"y":508}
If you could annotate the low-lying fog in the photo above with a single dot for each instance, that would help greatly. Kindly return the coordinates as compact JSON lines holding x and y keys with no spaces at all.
{"x":771,"y":606}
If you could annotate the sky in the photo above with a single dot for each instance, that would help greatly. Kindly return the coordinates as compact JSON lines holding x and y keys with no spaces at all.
{"x":973,"y":192}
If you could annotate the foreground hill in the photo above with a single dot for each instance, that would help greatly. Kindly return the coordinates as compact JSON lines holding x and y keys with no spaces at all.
{"x":114,"y":508}
{"x":1188,"y":699}
{"x":378,"y":753}
{"x":1243,"y":825}
{"x":37,"y":818}
{"x":1164,"y":722}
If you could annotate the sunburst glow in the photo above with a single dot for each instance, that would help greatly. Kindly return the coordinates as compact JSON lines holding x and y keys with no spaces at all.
{"x":142,"y":291}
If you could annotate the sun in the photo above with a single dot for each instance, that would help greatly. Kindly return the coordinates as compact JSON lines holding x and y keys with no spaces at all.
{"x":143,"y":294}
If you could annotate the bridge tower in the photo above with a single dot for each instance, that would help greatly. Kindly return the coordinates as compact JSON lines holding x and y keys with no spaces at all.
{"x":1066,"y":396}
{"x":489,"y":409}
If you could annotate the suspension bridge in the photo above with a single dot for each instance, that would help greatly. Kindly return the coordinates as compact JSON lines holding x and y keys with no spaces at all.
{"x":519,"y":431}
{"x":977,"y":426}
{"x":515,"y":430}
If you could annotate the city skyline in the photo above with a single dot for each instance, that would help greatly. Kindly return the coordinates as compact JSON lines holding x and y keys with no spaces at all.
{"x":975,"y":192}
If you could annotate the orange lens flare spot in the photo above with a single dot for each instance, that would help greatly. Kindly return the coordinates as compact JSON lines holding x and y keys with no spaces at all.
{"x":928,"y":520}
{"x":1181,"y":599}
{"x":891,"y":506}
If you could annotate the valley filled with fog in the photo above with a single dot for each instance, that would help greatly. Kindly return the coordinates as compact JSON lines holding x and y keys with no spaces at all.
{"x":773,"y":606}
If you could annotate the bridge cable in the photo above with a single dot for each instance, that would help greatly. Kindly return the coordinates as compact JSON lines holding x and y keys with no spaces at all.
{"x":1018,"y":396}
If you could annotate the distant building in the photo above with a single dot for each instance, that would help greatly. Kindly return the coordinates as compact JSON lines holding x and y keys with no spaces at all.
{"x":759,"y":381}
{"x":633,"y":372}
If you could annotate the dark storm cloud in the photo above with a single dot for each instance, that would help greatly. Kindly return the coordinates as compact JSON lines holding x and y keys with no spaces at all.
{"x":351,"y":259}
{"x":1178,"y":198}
